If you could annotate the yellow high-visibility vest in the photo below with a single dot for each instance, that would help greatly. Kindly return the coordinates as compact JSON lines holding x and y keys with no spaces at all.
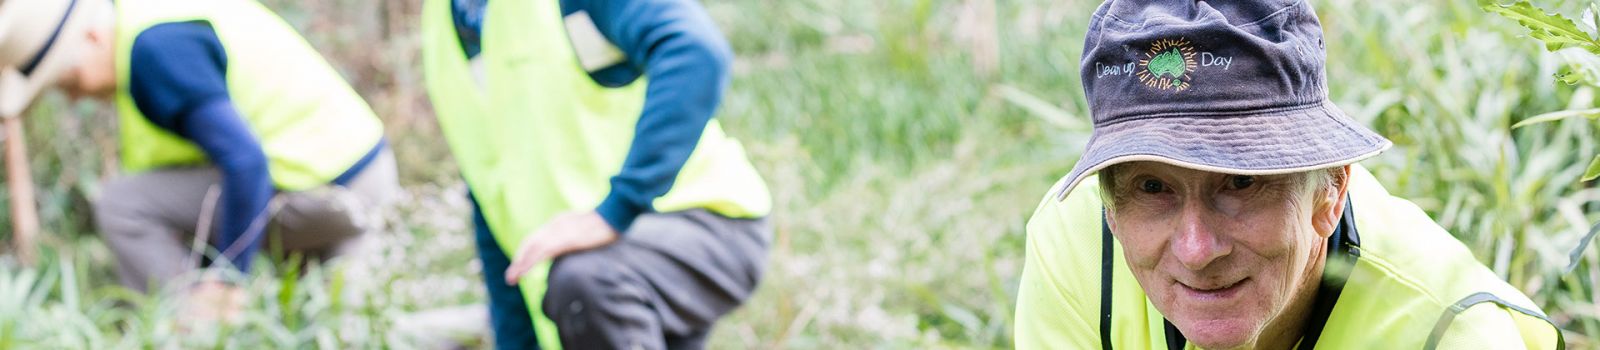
{"x":541,"y":137}
{"x":312,"y":126}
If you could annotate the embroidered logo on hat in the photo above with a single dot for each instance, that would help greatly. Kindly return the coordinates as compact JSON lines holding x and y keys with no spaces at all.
{"x":1168,"y":65}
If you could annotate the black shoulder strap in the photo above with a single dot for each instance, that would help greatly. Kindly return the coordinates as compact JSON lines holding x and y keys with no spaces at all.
{"x":1175,"y":340}
{"x":1342,"y":254}
{"x":1105,"y":282}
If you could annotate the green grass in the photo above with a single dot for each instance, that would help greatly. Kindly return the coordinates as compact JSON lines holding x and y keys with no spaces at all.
{"x":906,"y":143}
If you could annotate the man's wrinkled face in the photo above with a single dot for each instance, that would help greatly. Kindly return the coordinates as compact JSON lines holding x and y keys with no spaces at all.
{"x":1222,"y":256}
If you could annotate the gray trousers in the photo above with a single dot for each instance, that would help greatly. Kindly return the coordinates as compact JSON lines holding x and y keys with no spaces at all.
{"x":149,"y":219}
{"x":662,"y":286}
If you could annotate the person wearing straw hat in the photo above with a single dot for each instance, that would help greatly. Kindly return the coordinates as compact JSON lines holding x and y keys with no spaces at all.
{"x":1219,"y":205}
{"x":234,"y":132}
{"x":611,"y":210}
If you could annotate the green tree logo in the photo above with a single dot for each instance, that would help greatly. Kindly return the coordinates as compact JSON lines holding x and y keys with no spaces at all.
{"x":1167,"y":65}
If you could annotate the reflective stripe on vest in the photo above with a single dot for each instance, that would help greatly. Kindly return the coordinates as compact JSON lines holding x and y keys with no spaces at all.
{"x":539,"y":137}
{"x":310,"y":123}
{"x":1478,"y":298}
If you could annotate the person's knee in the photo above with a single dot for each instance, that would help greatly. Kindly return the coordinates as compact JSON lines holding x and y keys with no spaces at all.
{"x":577,"y":282}
{"x":118,"y":202}
{"x":581,"y":273}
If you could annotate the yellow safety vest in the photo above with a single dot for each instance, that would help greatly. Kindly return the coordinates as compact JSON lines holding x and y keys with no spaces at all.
{"x":311,"y":124}
{"x":1411,"y":286}
{"x":541,"y":137}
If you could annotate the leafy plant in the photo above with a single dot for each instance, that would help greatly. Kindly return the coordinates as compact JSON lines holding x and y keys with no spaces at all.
{"x":1557,"y":32}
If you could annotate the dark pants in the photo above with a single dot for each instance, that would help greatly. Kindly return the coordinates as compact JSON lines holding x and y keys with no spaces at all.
{"x":661,"y":287}
{"x":149,"y":220}
{"x":508,"y":313}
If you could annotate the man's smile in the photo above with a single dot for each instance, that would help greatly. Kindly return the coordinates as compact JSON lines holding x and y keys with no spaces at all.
{"x":1211,"y":291}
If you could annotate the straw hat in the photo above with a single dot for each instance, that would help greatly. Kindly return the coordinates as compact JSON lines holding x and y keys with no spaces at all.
{"x":37,"y":45}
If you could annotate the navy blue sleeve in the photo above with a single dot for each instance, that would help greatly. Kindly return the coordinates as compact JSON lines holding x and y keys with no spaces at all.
{"x":468,"y":18}
{"x":177,"y":80}
{"x":246,"y":183}
{"x":174,"y":67}
{"x":675,"y":44}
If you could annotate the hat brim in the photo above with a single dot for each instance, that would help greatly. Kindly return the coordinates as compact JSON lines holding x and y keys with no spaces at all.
{"x":1269,"y":142}
{"x":18,"y":90}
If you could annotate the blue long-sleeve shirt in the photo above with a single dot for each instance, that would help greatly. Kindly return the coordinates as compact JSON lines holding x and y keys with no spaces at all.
{"x":677,"y":45}
{"x":177,"y":79}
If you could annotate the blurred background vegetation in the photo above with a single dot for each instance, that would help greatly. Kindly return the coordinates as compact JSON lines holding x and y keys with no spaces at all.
{"x":906,"y":142}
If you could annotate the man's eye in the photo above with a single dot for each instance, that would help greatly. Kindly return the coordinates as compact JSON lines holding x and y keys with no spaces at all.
{"x":1152,"y":186}
{"x":1239,"y":182}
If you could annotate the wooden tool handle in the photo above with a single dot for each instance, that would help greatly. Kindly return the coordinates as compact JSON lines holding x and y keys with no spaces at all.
{"x":19,"y":180}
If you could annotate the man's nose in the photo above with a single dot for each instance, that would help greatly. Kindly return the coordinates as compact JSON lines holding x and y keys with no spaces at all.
{"x":1197,"y":244}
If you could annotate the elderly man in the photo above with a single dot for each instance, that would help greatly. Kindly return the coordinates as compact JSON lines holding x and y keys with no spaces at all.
{"x":1225,"y":210}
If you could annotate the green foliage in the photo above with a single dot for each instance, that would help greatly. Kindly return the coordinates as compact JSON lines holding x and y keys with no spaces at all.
{"x":902,"y":171}
{"x":1560,"y":33}
{"x":1554,"y":116}
{"x":1557,"y":32}
{"x":1594,"y":170}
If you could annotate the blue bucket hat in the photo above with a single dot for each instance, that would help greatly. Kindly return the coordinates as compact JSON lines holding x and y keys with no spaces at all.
{"x":1235,"y":87}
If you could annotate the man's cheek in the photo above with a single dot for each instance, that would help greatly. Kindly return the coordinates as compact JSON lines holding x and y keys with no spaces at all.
{"x":1141,"y":246}
{"x":1262,"y":232}
{"x":1232,"y":206}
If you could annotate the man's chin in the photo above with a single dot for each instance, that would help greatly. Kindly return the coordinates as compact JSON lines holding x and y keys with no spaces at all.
{"x":1219,"y":334}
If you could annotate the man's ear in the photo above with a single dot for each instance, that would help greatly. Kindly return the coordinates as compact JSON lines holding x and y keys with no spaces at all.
{"x":1330,"y":204}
